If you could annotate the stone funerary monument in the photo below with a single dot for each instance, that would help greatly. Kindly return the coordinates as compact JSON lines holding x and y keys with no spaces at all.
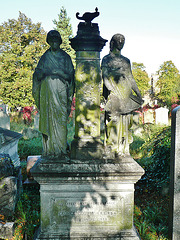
{"x":89,"y":194}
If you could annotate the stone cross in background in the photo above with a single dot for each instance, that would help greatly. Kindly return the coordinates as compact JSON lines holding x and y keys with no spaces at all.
{"x":174,"y":224}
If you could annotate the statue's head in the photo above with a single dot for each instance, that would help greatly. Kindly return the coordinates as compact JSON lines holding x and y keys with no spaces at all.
{"x":117,"y":41}
{"x":54,"y":38}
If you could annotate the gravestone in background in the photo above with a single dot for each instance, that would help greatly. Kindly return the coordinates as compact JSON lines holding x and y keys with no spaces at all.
{"x":149,"y":116}
{"x":161,"y":116}
{"x":36,"y":121}
{"x":9,"y":192}
{"x":90,"y":194}
{"x":174,"y":220}
{"x":4,"y":120}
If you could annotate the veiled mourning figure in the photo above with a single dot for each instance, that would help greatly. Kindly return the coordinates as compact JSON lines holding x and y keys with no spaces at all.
{"x":122,"y":97}
{"x":53,"y":89}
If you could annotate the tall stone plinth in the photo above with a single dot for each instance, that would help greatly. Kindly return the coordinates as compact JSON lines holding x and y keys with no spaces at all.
{"x":87,"y":44}
{"x":87,"y":199}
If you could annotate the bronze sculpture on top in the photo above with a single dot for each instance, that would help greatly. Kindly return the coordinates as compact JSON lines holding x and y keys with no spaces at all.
{"x":118,"y":88}
{"x":88,"y":16}
{"x":53,"y":89}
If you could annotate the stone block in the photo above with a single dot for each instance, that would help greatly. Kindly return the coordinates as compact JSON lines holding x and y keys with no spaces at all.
{"x":8,"y":195}
{"x":161,"y":115}
{"x":149,"y":116}
{"x":30,"y":133}
{"x":6,"y":230}
{"x":36,"y":121}
{"x":4,"y":120}
{"x":87,"y":200}
{"x":6,"y":166}
{"x":31,"y":160}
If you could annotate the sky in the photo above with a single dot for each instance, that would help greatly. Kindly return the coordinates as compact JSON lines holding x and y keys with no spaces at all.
{"x":151,"y":27}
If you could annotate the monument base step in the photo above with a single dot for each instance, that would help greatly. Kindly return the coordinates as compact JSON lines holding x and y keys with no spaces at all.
{"x":123,"y":235}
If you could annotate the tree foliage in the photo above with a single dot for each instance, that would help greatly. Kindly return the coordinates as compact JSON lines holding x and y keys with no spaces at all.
{"x":168,"y":82}
{"x":141,"y":77}
{"x":64,"y":27}
{"x":21,"y":45}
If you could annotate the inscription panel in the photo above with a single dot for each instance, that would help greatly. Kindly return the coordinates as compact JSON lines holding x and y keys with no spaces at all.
{"x":87,"y":213}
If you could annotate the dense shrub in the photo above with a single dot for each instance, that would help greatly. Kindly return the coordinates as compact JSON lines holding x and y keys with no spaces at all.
{"x":151,"y":195}
{"x":156,"y":160}
{"x":28,"y":147}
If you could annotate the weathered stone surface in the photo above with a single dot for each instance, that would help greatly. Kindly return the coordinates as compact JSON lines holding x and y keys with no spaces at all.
{"x":174,"y":220}
{"x":122,"y":97}
{"x":87,"y":199}
{"x":6,"y":166}
{"x":149,"y":116}
{"x":10,"y":145}
{"x":31,"y":160}
{"x":91,"y":194}
{"x":36,"y":121}
{"x":88,"y":38}
{"x":6,"y":230}
{"x":30,"y":133}
{"x":53,"y":90}
{"x":88,"y":45}
{"x":4,"y":120}
{"x":161,"y":116}
{"x":8,"y":195}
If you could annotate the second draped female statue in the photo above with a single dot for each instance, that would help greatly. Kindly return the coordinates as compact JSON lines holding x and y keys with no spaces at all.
{"x":122,"y":97}
{"x":53,"y":89}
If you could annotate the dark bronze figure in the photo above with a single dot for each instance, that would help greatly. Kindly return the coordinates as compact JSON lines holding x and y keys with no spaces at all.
{"x":88,"y":16}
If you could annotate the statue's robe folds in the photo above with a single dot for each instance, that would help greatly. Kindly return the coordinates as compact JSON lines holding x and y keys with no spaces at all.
{"x":53,"y":97}
{"x":122,"y":98}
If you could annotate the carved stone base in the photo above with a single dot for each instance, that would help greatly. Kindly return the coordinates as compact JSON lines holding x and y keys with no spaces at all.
{"x":87,"y":200}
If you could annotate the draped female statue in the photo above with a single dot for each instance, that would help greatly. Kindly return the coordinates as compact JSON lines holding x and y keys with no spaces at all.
{"x":122,"y":96}
{"x":53,"y":89}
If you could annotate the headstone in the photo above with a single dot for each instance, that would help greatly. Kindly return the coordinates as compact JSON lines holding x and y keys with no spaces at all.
{"x":149,"y":116}
{"x":9,"y":185}
{"x":4,"y":120}
{"x":174,"y":219}
{"x":30,"y":133}
{"x":36,"y":121}
{"x":161,"y":116}
{"x":8,"y":195}
{"x":9,"y":145}
{"x":4,"y":107}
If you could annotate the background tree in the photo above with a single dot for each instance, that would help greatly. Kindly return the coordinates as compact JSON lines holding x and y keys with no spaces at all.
{"x":141,"y":77}
{"x":168,"y":82}
{"x":64,"y":27}
{"x":21,"y":45}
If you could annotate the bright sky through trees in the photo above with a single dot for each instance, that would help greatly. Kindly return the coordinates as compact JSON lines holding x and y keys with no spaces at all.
{"x":151,"y":28}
